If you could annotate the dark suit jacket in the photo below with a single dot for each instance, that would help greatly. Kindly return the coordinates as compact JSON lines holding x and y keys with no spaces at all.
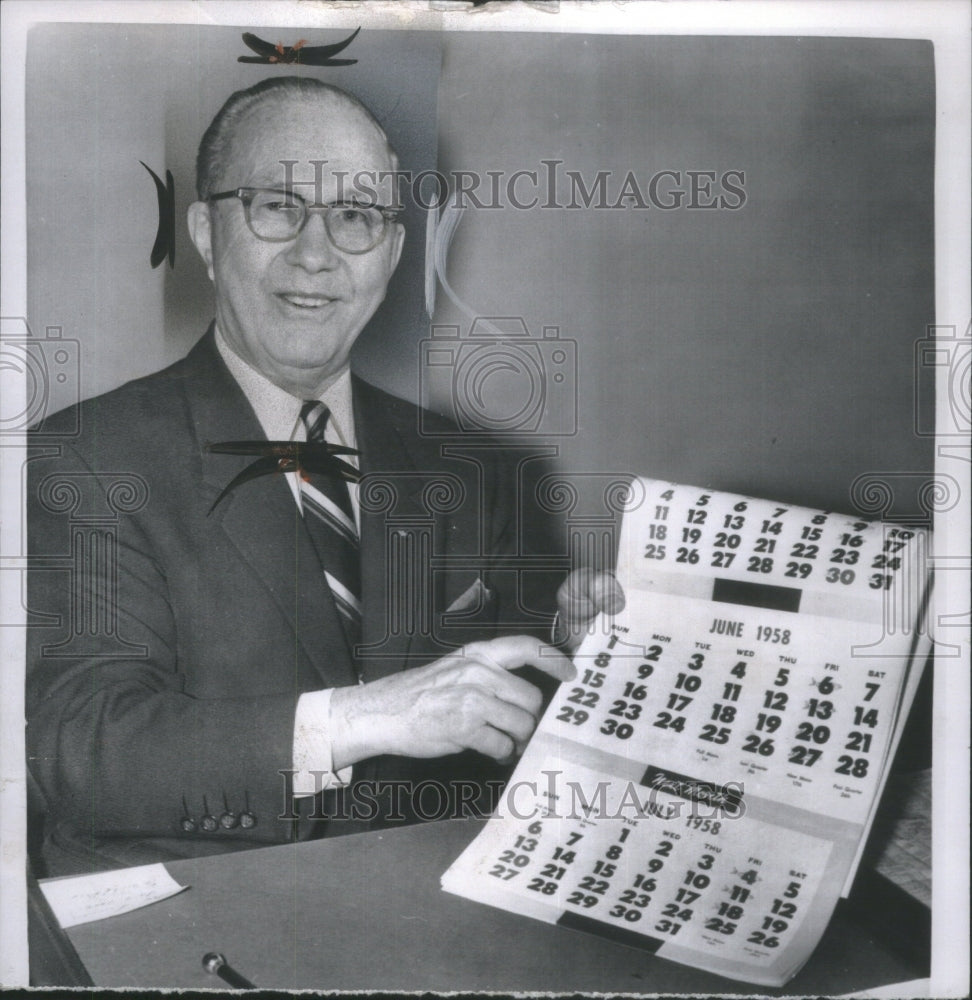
{"x":168,"y":645}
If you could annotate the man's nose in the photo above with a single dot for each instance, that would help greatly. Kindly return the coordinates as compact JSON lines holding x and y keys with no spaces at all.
{"x":312,"y":249}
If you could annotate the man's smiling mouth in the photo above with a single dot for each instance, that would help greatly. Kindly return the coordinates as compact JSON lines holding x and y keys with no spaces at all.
{"x":305,"y":301}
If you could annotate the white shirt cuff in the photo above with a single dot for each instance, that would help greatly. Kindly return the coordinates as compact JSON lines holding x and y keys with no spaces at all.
{"x":312,"y":746}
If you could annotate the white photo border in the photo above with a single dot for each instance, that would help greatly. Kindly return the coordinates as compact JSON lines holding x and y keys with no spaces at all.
{"x":945,"y":22}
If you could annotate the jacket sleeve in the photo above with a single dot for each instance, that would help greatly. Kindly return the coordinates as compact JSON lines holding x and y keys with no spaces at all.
{"x":118,"y":739}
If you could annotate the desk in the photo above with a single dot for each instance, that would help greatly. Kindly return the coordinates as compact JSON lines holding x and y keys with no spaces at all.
{"x":366,"y":913}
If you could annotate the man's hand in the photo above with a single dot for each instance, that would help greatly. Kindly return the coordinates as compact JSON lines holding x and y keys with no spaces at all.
{"x":579,"y":600}
{"x":467,"y":700}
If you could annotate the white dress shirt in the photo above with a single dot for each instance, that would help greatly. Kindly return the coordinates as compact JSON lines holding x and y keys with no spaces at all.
{"x":279,"y":415}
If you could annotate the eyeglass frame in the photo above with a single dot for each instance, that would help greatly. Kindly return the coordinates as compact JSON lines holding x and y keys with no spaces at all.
{"x":247,"y":194}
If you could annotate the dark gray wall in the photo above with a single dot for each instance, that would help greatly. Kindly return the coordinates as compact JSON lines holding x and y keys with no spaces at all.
{"x":766,"y":350}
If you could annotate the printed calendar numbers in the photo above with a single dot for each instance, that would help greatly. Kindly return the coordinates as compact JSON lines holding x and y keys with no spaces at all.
{"x":744,"y":697}
{"x":681,"y":696}
{"x":855,"y":766}
{"x":849,"y":551}
{"x":684,"y":882}
{"x":787,"y":719}
{"x":766,"y":633}
{"x":844,"y":576}
{"x":692,"y":880}
{"x":706,"y":532}
{"x":541,"y":885}
{"x":576,"y":716}
{"x":776,"y":919}
{"x":859,"y":740}
{"x":695,"y":881}
{"x":888,"y":559}
{"x":630,"y":902}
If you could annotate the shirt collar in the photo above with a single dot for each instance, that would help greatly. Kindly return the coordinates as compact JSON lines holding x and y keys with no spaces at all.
{"x":279,"y":412}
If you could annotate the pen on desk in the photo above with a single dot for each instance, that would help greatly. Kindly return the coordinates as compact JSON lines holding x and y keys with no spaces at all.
{"x":215,"y":963}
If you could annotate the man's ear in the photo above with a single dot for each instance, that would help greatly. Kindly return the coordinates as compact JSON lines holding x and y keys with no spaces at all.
{"x":398,"y":241}
{"x":201,"y":232}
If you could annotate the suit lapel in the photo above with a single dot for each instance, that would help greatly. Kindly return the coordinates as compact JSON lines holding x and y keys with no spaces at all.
{"x":390,"y":468}
{"x":283,"y":556}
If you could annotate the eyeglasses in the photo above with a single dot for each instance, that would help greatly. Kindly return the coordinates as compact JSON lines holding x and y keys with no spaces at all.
{"x":278,"y":216}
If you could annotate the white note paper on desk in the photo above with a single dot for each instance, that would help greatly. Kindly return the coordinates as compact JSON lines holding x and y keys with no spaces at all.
{"x":83,"y":898}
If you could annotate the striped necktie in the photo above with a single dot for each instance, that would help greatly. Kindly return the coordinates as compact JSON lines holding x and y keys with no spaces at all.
{"x":329,"y":518}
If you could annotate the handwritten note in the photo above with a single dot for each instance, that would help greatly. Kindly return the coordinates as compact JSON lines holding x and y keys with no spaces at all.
{"x":84,"y":898}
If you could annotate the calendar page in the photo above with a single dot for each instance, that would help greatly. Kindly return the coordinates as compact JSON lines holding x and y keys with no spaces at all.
{"x":703,"y":788}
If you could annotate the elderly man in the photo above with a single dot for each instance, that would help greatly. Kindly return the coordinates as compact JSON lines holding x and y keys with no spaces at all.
{"x":222,"y":663}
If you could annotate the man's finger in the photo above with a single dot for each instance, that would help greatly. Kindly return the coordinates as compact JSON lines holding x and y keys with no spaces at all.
{"x":508,"y":652}
{"x":584,"y":593}
{"x":515,"y":690}
{"x":608,"y":594}
{"x":574,"y":595}
{"x":509,"y":719}
{"x":493,"y":743}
